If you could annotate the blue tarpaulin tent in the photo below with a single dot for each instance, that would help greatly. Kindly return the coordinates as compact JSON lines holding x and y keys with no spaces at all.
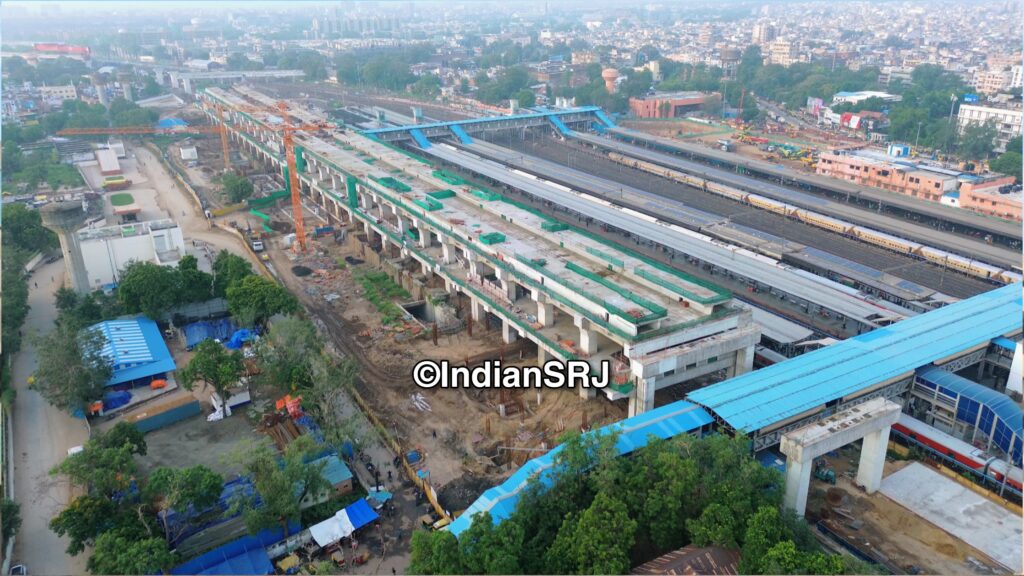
{"x":238,"y":338}
{"x":196,"y":332}
{"x":247,"y":555}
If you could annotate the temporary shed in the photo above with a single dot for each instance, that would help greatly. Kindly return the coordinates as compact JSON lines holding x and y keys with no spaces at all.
{"x":135,"y":349}
{"x":344,"y":523}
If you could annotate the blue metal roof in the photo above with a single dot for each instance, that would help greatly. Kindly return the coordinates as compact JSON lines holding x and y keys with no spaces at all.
{"x":1004,"y":342}
{"x":470,"y":121}
{"x":135,"y":349}
{"x":335,"y":470}
{"x":664,"y":422}
{"x":994,"y":414}
{"x":770,"y":395}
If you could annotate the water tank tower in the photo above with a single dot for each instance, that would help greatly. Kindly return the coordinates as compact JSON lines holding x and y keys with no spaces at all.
{"x":610,"y":75}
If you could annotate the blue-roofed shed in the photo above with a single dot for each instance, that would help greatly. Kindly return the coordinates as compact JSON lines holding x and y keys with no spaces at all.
{"x":823,"y":379}
{"x":135,"y":349}
{"x":664,"y":422}
{"x":337,"y":473}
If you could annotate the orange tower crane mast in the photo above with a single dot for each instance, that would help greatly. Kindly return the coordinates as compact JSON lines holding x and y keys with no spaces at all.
{"x":288,"y":130}
{"x":293,"y":177}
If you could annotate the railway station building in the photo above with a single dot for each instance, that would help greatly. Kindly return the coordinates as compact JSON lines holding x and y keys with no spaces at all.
{"x":571,"y":294}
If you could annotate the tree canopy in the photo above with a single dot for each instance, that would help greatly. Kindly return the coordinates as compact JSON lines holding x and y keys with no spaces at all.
{"x":255,"y":298}
{"x":72,"y":370}
{"x":237,"y":188}
{"x":215,"y":365}
{"x":601,"y":514}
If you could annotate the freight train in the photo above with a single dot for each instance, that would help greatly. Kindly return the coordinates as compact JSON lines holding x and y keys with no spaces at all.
{"x":961,"y":264}
{"x":993,"y":470}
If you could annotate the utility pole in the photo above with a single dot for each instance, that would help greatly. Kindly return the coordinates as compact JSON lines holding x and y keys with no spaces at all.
{"x":918,"y":137}
{"x":949,"y":137}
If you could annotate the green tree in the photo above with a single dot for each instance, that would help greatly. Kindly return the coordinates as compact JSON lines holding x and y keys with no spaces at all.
{"x":83,"y":520}
{"x":215,"y":365}
{"x":150,"y":88}
{"x":23,"y":227}
{"x":197,"y":488}
{"x":784,"y":558}
{"x":977,"y":140}
{"x":714,"y":527}
{"x":428,"y":86}
{"x":228,"y":270}
{"x":282,"y":484}
{"x":446,"y":559}
{"x":526,"y":97}
{"x":1016,"y":144}
{"x":255,"y":298}
{"x":123,"y":434}
{"x":148,"y":288}
{"x":194,"y":285}
{"x":72,"y":369}
{"x":13,"y":159}
{"x":600,"y":550}
{"x":10,"y":518}
{"x":123,"y":552}
{"x":289,"y":353}
{"x":1009,"y":163}
{"x":102,"y":471}
{"x":237,"y":188}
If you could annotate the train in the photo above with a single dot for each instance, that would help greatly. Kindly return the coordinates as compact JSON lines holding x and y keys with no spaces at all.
{"x":956,"y":262}
{"x":994,"y":470}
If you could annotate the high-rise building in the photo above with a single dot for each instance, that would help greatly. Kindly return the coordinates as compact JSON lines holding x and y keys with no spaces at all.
{"x":782,"y":52}
{"x":764,"y":32}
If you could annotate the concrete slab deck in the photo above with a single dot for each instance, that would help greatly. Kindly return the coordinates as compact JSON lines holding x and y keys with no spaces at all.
{"x":981,"y":523}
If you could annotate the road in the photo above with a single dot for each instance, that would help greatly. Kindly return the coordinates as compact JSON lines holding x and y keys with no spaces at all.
{"x":42,"y":435}
{"x":180,"y":207}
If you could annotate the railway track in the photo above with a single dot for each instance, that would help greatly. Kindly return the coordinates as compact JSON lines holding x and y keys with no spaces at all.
{"x":919,"y":271}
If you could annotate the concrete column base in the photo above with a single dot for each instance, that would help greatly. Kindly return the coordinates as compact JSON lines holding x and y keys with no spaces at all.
{"x":509,"y":333}
{"x":872,"y":460}
{"x":588,"y":342}
{"x":545,"y":314}
{"x":798,"y":481}
{"x":643,"y":397}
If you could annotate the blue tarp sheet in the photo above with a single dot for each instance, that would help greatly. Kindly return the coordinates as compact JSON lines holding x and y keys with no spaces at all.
{"x":114,"y":400}
{"x":360,"y":514}
{"x":196,"y":332}
{"x":238,"y":338}
{"x":247,"y":555}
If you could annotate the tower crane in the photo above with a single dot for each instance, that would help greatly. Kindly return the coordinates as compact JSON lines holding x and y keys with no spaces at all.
{"x":287,"y":130}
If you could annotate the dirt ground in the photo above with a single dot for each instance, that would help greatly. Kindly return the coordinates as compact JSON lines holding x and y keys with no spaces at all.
{"x":461,"y":431}
{"x":905,"y":539}
{"x":195,"y":441}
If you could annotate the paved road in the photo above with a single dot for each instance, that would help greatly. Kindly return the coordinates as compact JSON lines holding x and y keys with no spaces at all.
{"x":42,"y":436}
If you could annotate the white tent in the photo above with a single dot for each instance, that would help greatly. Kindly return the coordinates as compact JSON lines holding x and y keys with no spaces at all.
{"x":333,"y":529}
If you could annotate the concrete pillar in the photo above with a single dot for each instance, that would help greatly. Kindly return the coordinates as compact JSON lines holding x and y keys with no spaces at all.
{"x":798,"y":481}
{"x":743,"y":362}
{"x":367,"y":230}
{"x":509,"y":333}
{"x":643,"y":397}
{"x":447,"y":255}
{"x":424,"y":237}
{"x":872,"y":460}
{"x":510,"y":289}
{"x":477,"y":310}
{"x":545,"y":313}
{"x":474,"y":267}
{"x":542,"y":356}
{"x":588,"y":342}
{"x":981,"y":371}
